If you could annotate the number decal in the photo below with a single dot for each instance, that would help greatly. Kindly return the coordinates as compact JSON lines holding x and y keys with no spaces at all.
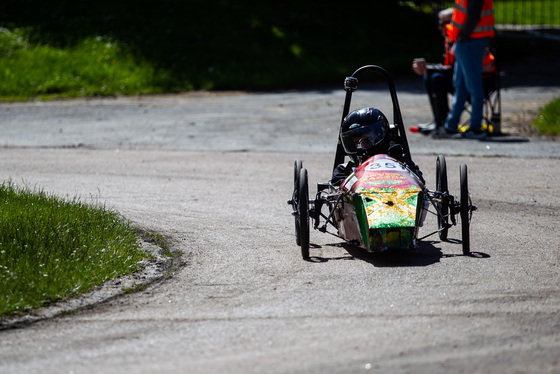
{"x":384,"y":166}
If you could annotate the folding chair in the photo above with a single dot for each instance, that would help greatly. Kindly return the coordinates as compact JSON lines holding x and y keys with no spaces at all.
{"x":492,"y":112}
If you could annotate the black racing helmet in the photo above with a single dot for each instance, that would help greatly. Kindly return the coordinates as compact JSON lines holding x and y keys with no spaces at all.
{"x":365,"y":132}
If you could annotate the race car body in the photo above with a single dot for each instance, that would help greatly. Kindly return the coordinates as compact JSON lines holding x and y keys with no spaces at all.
{"x":383,"y":205}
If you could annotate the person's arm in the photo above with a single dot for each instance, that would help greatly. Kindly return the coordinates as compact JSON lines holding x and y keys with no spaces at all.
{"x":419,"y":66}
{"x":474,"y":11}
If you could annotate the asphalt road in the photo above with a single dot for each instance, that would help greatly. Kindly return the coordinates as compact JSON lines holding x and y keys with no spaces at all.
{"x":213,"y":173}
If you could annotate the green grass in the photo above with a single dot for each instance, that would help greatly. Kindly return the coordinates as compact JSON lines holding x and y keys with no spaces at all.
{"x":93,"y":67}
{"x":548,"y":119}
{"x":524,"y":12}
{"x":546,"y":12}
{"x":51,"y":248}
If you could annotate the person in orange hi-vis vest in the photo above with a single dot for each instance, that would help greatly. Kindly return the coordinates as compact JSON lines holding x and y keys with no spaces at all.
{"x":472,"y":27}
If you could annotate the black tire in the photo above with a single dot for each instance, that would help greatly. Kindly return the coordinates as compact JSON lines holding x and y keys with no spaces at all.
{"x":297,"y":167}
{"x":443,"y":204}
{"x":303,"y":213}
{"x":295,"y":198}
{"x":465,"y":210}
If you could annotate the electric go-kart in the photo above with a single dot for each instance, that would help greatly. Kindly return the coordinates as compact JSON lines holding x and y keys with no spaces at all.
{"x":382,"y":204}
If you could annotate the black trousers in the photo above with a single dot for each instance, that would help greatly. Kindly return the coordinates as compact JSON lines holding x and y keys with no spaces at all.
{"x":439,"y":83}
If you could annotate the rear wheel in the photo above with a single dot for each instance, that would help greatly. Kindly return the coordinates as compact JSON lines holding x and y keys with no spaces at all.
{"x":465,"y":210}
{"x":443,"y":203}
{"x":295,"y":198}
{"x":302,"y":217}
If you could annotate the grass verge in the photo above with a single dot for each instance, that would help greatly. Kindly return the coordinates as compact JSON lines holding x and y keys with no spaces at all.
{"x":96,"y":66}
{"x":548,"y":119}
{"x":545,"y":12}
{"x":51,"y":248}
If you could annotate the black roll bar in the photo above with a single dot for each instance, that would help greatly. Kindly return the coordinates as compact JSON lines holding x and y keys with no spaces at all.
{"x":351,"y":85}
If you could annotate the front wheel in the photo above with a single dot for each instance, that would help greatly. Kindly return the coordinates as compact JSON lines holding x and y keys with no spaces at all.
{"x":297,"y":167}
{"x":443,"y":203}
{"x":303,"y":213}
{"x":295,"y":198}
{"x":465,"y":210}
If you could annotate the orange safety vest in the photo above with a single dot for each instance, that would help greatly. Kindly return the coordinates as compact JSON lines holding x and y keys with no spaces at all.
{"x":484,"y":27}
{"x":449,"y":50}
{"x":488,"y":61}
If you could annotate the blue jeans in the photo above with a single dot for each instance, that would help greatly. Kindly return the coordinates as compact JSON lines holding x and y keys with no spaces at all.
{"x":467,"y":80}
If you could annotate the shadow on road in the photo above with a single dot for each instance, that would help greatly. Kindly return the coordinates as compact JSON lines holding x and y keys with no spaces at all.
{"x":506,"y":138}
{"x":426,"y":254}
{"x":498,"y":138}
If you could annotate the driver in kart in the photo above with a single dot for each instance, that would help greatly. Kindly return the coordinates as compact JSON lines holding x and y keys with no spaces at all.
{"x":365,"y":133}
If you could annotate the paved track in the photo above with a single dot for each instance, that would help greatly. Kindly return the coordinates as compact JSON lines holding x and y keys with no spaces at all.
{"x":213,"y":174}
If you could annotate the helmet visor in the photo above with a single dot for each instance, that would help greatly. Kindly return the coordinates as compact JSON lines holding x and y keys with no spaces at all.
{"x":363,"y":138}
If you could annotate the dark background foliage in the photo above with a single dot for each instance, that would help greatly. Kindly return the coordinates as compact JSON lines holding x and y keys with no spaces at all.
{"x":250,"y":44}
{"x":240,"y":44}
